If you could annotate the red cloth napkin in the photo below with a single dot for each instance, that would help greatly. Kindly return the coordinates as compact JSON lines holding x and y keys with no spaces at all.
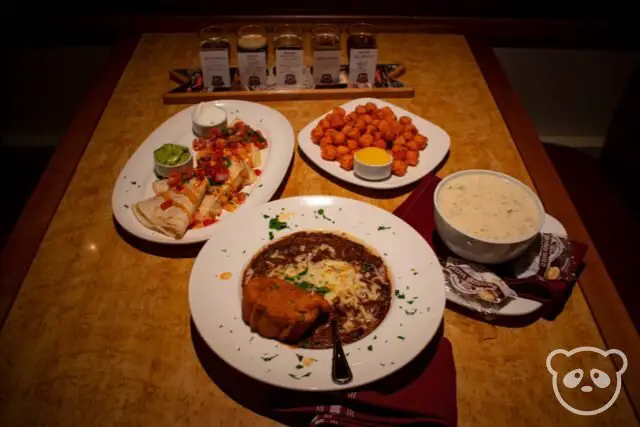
{"x":417,"y":211}
{"x":421,"y":393}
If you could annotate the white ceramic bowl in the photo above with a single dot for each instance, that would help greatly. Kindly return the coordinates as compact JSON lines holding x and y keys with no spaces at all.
{"x":371,"y":172}
{"x":474,"y":248}
{"x":203,"y":129}
{"x":166,"y":170}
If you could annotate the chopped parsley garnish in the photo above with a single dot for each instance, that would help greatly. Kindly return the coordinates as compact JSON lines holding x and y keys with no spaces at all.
{"x":133,"y":182}
{"x":225,"y":131}
{"x":265,"y":216}
{"x":375,"y":337}
{"x":399,"y":294}
{"x":320,"y":212}
{"x":299,"y":366}
{"x":411,"y":313}
{"x":400,"y":337}
{"x":269,"y":358}
{"x":271,"y":235}
{"x":370,"y":347}
{"x":411,"y":302}
{"x":126,"y":206}
{"x":382,"y":227}
{"x":226,"y":161}
{"x":276,"y":224}
{"x":300,"y":357}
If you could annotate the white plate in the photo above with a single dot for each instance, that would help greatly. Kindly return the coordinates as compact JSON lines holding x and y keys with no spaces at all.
{"x":216,"y":303}
{"x":518,"y":306}
{"x":135,"y":179}
{"x":430,"y":157}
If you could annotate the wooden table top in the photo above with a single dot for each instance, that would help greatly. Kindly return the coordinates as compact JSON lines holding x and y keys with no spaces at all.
{"x":100,"y":331}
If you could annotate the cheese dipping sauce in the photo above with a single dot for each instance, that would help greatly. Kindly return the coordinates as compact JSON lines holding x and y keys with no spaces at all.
{"x":373,"y":156}
{"x":489,"y":207}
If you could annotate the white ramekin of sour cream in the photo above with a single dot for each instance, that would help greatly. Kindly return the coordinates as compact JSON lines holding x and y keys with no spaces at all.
{"x":206,"y":117}
{"x":372,"y":163}
{"x":486,"y":216}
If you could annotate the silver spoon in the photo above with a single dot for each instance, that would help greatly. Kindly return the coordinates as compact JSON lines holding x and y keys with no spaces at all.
{"x":340,"y":370}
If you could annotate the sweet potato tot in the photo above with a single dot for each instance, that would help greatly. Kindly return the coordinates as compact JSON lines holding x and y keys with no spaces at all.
{"x":421,"y":140}
{"x":399,"y":168}
{"x":342,"y":150}
{"x":346,"y":162}
{"x":360,"y":125}
{"x":361,"y":109}
{"x":354,"y":134}
{"x":370,"y":130}
{"x":412,"y":158}
{"x":326,"y":140}
{"x":371,"y":107}
{"x":339,"y":111}
{"x":399,"y":141}
{"x":380,"y":143}
{"x":366,"y":141}
{"x":404,"y":120}
{"x":328,"y":152}
{"x":324,"y":124}
{"x":353,"y":145}
{"x":412,"y":146}
{"x":398,"y":152}
{"x":316,"y":135}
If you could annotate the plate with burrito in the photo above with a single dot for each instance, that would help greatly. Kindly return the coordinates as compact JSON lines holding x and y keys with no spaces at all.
{"x":264,"y":290}
{"x":205,"y":163}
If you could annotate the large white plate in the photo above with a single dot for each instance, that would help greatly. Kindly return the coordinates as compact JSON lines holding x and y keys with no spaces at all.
{"x":216,"y":303}
{"x":135,"y":179}
{"x":430,"y":157}
{"x":518,"y":306}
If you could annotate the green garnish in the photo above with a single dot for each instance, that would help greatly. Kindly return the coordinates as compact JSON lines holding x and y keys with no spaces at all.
{"x":269,"y":358}
{"x":299,"y":366}
{"x":366,"y":268}
{"x":276,"y":224}
{"x":300,"y":357}
{"x":399,"y":294}
{"x":171,"y":154}
{"x":370,"y":347}
{"x":382,"y":227}
{"x":411,"y":313}
{"x":271,"y":235}
{"x":400,"y":337}
{"x":265,"y":216}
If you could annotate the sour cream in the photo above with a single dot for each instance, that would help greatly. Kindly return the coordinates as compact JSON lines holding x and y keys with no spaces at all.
{"x":489,"y":207}
{"x":209,"y":115}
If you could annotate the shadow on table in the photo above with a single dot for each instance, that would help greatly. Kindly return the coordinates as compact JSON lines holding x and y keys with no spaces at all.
{"x":189,"y":250}
{"x":265,"y":399}
{"x":367,"y":192}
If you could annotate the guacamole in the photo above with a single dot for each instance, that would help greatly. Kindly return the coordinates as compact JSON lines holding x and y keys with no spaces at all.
{"x":171,"y":155}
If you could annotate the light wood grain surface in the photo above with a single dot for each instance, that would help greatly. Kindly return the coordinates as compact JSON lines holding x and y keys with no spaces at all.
{"x":100,"y":334}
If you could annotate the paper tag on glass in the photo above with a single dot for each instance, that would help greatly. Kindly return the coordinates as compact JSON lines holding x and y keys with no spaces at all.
{"x":326,"y":67}
{"x":362,"y":66}
{"x":289,"y":67}
{"x":253,"y":68}
{"x":215,"y":67}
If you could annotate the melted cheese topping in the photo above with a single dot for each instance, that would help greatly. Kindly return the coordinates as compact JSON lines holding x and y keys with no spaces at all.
{"x":344,"y":280}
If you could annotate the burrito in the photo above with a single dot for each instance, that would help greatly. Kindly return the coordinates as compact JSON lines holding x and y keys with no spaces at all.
{"x":170,"y":212}
{"x":240,"y":175}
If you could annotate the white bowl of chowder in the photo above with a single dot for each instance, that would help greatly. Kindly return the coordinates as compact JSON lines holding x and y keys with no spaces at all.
{"x":486,"y":216}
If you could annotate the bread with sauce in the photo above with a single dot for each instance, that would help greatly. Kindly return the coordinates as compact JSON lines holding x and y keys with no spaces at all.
{"x":277,"y":309}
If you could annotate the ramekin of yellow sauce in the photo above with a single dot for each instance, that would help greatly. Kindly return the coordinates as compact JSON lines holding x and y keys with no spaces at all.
{"x":372,"y":163}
